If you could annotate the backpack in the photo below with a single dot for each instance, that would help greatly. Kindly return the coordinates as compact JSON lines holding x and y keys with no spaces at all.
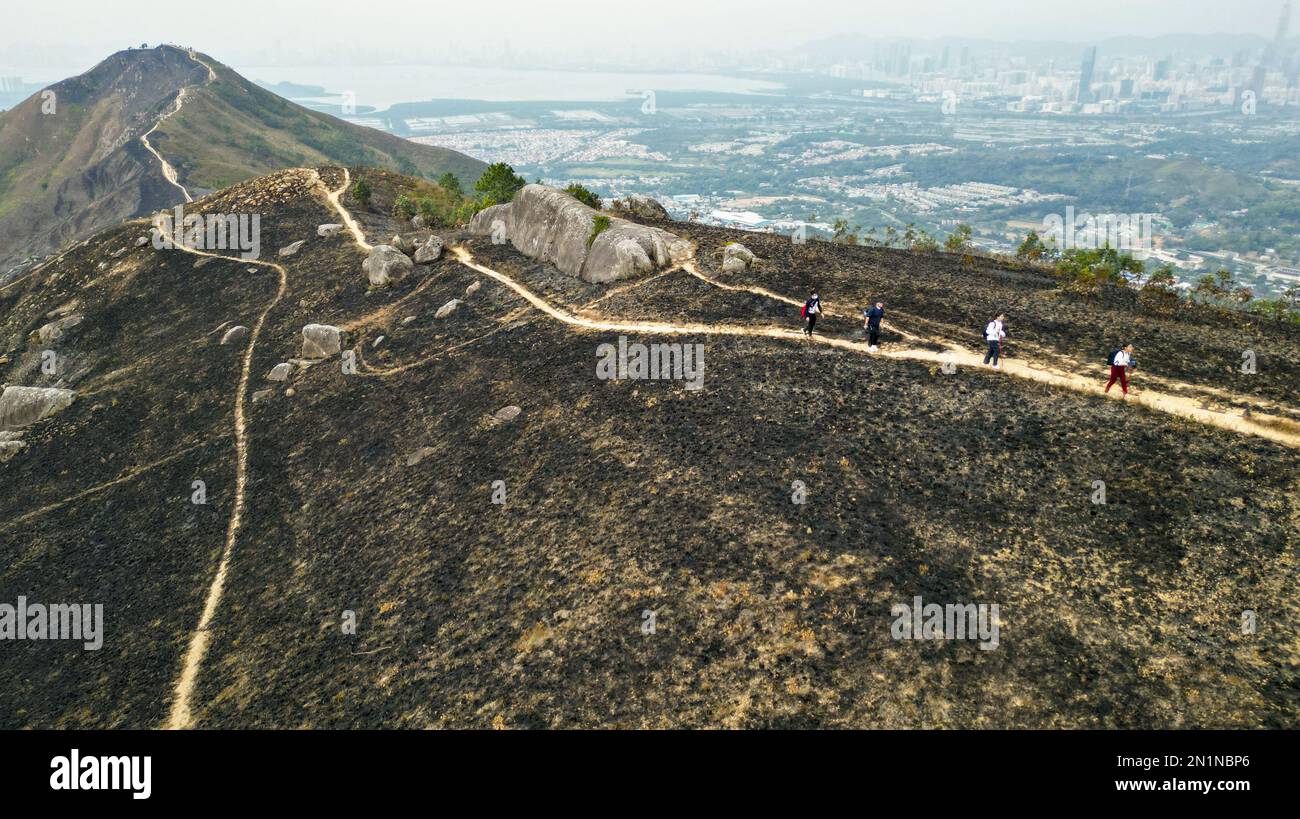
{"x":1111,"y":360}
{"x":805,"y":308}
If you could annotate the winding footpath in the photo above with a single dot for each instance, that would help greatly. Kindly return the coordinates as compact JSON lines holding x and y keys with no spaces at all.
{"x":168,"y":171}
{"x":181,"y":713}
{"x":1274,"y":428}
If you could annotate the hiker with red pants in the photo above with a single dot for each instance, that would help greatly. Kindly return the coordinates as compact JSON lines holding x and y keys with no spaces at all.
{"x":993,"y":334}
{"x":1121,"y":361}
{"x":811,"y":310}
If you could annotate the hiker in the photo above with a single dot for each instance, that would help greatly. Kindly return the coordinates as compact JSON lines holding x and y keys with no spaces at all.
{"x":871,"y":321}
{"x":811,"y":310}
{"x":993,"y":334}
{"x":1121,"y":361}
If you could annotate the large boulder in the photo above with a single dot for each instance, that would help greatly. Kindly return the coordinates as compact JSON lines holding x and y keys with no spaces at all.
{"x":429,"y":251}
{"x":551,"y":226}
{"x":20,"y":406}
{"x":235,"y":334}
{"x":492,"y":221}
{"x":321,"y":341}
{"x":736,"y":258}
{"x":641,"y":207}
{"x":386,"y":264}
{"x":402,"y":243}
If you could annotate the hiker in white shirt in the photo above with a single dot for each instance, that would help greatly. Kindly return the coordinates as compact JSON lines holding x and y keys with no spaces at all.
{"x":994,"y":334}
{"x":1120,"y":364}
{"x":811,"y":310}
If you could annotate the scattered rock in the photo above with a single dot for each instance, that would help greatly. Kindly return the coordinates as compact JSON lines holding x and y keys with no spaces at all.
{"x":408,"y":320}
{"x":447,"y":309}
{"x":419,"y":455}
{"x":321,"y":341}
{"x":142,"y":241}
{"x":290,"y":393}
{"x":52,"y":332}
{"x":66,"y":309}
{"x":736,"y":258}
{"x":506,"y":414}
{"x":472,"y":289}
{"x":399,"y":242}
{"x":280,"y":372}
{"x":386,"y":264}
{"x":20,"y":406}
{"x":262,"y":395}
{"x":118,"y":253}
{"x":429,"y":251}
{"x":235,"y":334}
{"x":417,"y":222}
{"x":202,"y":260}
{"x":328,"y":229}
{"x":378,"y":341}
{"x":289,"y":250}
{"x":8,"y":449}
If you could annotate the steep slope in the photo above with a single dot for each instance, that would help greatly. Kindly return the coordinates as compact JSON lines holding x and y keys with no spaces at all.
{"x":148,"y":128}
{"x":370,"y":494}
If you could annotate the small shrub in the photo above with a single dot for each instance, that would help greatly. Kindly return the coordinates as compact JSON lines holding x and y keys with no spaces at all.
{"x":599,"y":225}
{"x":584,"y":196}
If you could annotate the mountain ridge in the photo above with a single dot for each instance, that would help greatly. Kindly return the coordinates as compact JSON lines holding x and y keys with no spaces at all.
{"x":95,"y":158}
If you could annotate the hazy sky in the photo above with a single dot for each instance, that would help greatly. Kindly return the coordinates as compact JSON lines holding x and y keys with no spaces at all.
{"x":60,"y":32}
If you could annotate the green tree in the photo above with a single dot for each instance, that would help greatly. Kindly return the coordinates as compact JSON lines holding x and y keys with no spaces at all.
{"x":583,"y":195}
{"x":403,"y":207}
{"x":361,"y":193}
{"x":1091,"y":270}
{"x":1032,"y":248}
{"x":499,"y":184}
{"x":959,"y":240}
{"x":449,"y":183}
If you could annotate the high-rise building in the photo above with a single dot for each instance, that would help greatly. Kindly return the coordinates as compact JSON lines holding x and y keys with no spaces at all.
{"x":1085,"y":75}
{"x":1276,"y":53}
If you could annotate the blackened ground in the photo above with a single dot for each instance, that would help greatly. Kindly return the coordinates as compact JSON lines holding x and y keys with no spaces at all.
{"x":372,"y":494}
{"x":939,"y":294}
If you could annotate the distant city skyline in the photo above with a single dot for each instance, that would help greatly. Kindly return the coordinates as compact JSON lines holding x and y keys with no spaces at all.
{"x":75,"y":34}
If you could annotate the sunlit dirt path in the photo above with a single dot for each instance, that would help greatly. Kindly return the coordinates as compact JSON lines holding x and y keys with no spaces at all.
{"x":168,"y":171}
{"x":181,"y":715}
{"x":1274,"y":428}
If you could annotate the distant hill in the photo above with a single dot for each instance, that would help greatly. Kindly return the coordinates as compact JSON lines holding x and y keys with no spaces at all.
{"x":82,"y":165}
